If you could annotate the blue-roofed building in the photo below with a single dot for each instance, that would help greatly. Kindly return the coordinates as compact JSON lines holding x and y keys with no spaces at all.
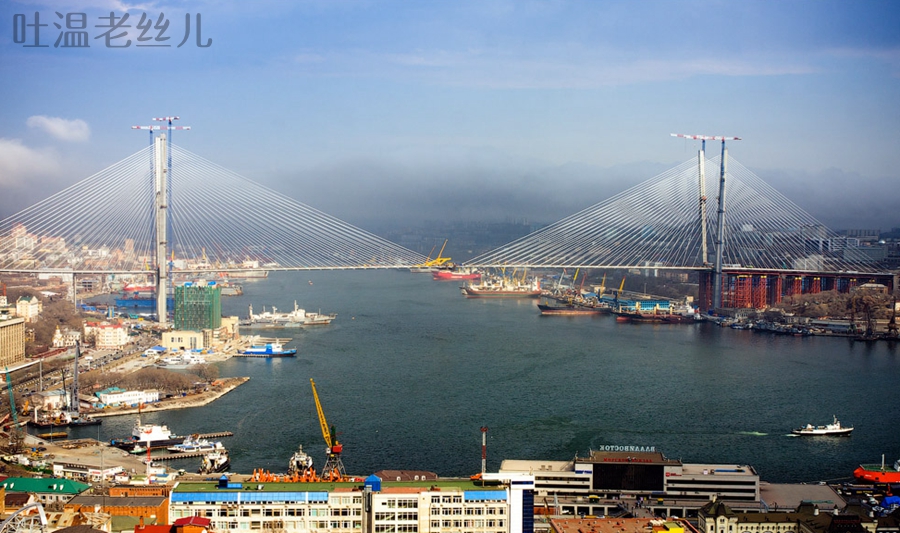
{"x":370,"y":506}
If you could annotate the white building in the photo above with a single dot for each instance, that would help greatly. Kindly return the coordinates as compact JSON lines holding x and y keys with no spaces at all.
{"x":65,"y":337}
{"x":29,"y":308}
{"x":115,"y":396}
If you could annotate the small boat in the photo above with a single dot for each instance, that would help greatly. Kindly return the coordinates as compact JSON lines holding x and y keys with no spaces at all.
{"x":875,"y":473}
{"x":833,"y":429}
{"x":215,"y":462}
{"x":270,"y":349}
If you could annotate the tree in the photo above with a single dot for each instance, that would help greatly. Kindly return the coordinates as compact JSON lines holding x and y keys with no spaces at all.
{"x":207,"y":372}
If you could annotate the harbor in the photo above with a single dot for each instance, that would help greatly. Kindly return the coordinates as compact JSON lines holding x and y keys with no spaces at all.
{"x":405,"y":334}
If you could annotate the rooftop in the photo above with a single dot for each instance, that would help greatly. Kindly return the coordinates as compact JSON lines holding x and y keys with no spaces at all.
{"x":43,"y":485}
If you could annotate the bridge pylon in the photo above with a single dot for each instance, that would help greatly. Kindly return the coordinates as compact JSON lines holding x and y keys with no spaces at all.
{"x":161,"y":208}
{"x":720,"y":213}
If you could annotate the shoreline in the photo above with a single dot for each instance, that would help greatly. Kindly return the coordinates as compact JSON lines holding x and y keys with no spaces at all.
{"x":182,"y":402}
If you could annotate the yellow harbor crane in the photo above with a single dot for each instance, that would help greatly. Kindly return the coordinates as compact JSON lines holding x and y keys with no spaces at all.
{"x":334,"y":467}
{"x":439,"y":260}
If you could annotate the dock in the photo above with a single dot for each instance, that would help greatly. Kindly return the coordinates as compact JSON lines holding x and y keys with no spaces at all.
{"x":265,"y":355}
{"x":176,"y":456}
{"x":215,"y":435}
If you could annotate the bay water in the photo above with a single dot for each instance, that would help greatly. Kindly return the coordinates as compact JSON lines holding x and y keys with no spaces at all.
{"x":411,"y":370}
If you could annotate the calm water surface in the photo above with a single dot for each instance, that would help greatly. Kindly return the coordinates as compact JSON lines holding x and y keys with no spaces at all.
{"x":411,"y":370}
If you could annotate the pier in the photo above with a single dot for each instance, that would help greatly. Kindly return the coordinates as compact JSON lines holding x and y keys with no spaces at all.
{"x":215,"y":435}
{"x":175,"y":456}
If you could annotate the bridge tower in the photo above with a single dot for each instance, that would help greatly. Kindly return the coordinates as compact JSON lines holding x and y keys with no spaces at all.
{"x":163,"y":197}
{"x":720,"y":214}
{"x":162,"y":208}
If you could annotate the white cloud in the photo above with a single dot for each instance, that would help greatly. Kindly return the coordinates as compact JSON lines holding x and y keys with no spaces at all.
{"x":20,"y":164}
{"x":66,"y":130}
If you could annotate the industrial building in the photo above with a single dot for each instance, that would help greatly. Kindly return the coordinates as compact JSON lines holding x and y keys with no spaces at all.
{"x":618,"y":478}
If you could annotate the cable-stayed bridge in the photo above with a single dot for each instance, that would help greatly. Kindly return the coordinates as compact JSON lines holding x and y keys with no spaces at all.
{"x":166,"y":202}
{"x":217,"y":221}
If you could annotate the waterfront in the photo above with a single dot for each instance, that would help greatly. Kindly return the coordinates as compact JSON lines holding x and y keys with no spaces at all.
{"x":410,"y":370}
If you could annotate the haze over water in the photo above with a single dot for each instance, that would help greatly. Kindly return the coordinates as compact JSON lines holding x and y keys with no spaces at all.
{"x":410,"y":370}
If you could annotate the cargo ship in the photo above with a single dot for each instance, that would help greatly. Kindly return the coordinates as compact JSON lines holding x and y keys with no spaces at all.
{"x":875,"y":473}
{"x":503,"y":288}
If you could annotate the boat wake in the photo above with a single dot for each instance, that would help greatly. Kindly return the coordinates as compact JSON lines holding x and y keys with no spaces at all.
{"x":752,"y":433}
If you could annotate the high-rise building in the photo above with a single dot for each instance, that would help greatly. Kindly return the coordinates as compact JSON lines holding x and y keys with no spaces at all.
{"x":198,"y":306}
{"x":12,"y":341}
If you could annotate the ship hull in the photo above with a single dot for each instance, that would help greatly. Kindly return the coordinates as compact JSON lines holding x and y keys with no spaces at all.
{"x":479,"y":293}
{"x":570,"y":310}
{"x":873,"y":474}
{"x":74,"y":423}
{"x":449,"y":275}
{"x":823,"y":433}
{"x":653,"y":318}
{"x":129,"y":444}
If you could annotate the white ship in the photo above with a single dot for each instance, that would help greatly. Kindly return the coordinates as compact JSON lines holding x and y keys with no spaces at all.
{"x":295,"y":319}
{"x":835,"y":428}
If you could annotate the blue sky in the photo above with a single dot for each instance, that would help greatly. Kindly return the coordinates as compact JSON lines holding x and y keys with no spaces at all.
{"x":375,"y":111}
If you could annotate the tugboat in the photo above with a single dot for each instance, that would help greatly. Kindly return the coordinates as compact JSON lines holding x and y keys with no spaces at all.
{"x":833,"y":429}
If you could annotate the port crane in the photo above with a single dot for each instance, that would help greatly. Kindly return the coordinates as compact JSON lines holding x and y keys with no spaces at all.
{"x":334,"y":467}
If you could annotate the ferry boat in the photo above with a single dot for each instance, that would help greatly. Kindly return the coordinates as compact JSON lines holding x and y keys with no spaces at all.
{"x":875,"y":473}
{"x":215,"y":462}
{"x":192,"y":445}
{"x":147,"y":436}
{"x":270,"y":349}
{"x":834,"y":429}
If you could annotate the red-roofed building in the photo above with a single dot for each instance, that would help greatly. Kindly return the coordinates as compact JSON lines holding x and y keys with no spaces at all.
{"x":105,"y":334}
